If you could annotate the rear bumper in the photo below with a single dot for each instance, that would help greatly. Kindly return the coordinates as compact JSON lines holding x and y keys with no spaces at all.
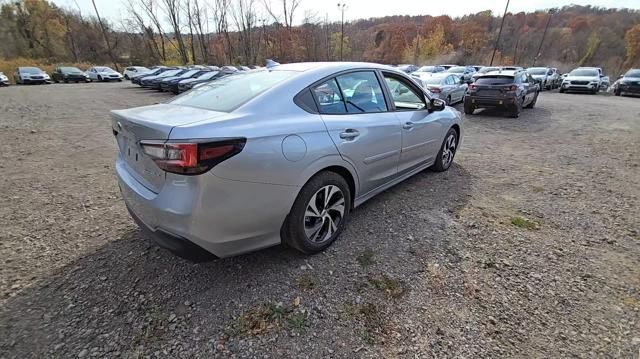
{"x":485,"y":102}
{"x":223,"y":217}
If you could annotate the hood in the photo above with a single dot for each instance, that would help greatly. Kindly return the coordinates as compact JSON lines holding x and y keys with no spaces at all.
{"x":582,"y":78}
{"x":186,"y":81}
{"x":626,"y":78}
{"x":538,"y":76}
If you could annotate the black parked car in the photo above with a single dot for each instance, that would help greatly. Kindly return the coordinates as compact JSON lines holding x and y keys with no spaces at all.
{"x":188,"y":84}
{"x":154,"y":82}
{"x":508,"y":90}
{"x":154,"y":72}
{"x":69,"y":74}
{"x":168,"y":83}
{"x":629,"y":83}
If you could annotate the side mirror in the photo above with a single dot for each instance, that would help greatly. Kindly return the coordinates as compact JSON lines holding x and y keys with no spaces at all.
{"x":601,"y":76}
{"x":437,"y":104}
{"x":621,"y":76}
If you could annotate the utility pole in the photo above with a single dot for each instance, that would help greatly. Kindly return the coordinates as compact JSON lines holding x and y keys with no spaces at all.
{"x":341,"y":8}
{"x":106,"y":38}
{"x":544,"y":34}
{"x":495,"y":47}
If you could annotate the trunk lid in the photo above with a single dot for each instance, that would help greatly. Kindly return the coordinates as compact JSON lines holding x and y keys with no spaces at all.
{"x":151,"y":123}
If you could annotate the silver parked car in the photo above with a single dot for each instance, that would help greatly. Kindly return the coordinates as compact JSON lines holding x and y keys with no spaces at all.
{"x":446,"y":86}
{"x":276,"y":155}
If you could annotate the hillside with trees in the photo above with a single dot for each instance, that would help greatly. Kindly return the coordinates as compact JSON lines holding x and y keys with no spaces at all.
{"x":249,"y":31}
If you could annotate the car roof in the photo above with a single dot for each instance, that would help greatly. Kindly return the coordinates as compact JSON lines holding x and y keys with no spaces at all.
{"x":331,"y":66}
{"x":501,"y":73}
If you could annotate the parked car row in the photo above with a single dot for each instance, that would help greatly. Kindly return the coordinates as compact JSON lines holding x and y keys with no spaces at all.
{"x":33,"y":75}
{"x":180,"y":79}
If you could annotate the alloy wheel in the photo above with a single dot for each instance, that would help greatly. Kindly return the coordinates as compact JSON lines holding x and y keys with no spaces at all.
{"x":449,"y":150}
{"x":324,"y":213}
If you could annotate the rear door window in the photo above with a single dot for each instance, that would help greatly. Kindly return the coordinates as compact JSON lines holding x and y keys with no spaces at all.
{"x":329,"y":98}
{"x":362,"y":92}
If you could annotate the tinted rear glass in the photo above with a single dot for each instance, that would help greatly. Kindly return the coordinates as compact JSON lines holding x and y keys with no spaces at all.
{"x":584,"y":72}
{"x":30,"y":70}
{"x":226,"y":96}
{"x":495,"y":80}
{"x":537,"y":71}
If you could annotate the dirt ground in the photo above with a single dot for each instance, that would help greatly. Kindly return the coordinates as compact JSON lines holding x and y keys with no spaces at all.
{"x":528,"y":247}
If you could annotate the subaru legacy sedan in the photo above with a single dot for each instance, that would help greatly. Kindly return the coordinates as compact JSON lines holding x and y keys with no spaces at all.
{"x":279,"y":155}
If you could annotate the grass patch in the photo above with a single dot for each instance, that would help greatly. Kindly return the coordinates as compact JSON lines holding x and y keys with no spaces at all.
{"x":393,"y":288}
{"x":266,"y":317}
{"x":371,"y":318}
{"x":524,"y":223}
{"x":537,"y":189}
{"x":366,"y":258}
{"x":307,"y":282}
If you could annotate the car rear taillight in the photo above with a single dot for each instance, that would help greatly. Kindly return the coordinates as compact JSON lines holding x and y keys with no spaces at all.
{"x":512,"y":88}
{"x":473,"y":87}
{"x":434,"y":89}
{"x":191,"y":158}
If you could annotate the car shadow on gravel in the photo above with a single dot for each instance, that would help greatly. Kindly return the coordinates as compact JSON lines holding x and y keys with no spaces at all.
{"x":530,"y":120}
{"x":122,"y":288}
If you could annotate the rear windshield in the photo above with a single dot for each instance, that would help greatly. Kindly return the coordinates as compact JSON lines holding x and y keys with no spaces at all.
{"x":488,"y":69}
{"x":70,"y":69}
{"x":433,"y":80}
{"x":457,"y":69}
{"x":495,"y":80}
{"x":632,"y":73}
{"x":226,"y":96}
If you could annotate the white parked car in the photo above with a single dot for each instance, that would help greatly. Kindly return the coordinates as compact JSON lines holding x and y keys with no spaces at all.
{"x":103,"y":73}
{"x":133,"y":71}
{"x":4,"y":80}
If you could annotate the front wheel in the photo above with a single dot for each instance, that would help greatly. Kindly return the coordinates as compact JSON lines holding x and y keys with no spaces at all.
{"x":99,"y":78}
{"x":126,"y":77}
{"x":448,"y":100}
{"x":319,"y":213}
{"x":447,"y":151}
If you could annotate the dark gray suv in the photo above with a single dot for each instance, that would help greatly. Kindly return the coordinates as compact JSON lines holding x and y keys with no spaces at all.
{"x":508,"y":90}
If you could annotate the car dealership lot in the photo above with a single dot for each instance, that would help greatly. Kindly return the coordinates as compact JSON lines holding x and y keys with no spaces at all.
{"x":528,"y":245}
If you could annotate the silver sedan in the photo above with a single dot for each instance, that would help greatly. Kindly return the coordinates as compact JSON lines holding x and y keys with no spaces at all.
{"x":277,"y":155}
{"x":445,"y":86}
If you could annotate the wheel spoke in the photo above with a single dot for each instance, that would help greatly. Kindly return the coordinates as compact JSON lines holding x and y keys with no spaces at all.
{"x":338,"y":206}
{"x":312,"y":232}
{"x":329,"y":192}
{"x":331,"y":228}
{"x":312,"y":210}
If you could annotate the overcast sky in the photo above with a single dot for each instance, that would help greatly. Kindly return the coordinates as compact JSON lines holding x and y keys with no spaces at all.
{"x":358,"y":9}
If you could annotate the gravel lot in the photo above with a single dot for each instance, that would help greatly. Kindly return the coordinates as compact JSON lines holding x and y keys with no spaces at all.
{"x":528,"y":247}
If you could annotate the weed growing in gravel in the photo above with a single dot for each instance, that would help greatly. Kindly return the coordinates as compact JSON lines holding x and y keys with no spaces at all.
{"x":371,"y":318}
{"x":393,"y":288}
{"x":268,"y":316}
{"x":524,"y":223}
{"x":366,"y":258}
{"x":307,"y":281}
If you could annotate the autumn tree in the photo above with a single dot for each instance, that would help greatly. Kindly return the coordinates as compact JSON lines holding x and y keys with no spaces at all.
{"x":632,"y":40}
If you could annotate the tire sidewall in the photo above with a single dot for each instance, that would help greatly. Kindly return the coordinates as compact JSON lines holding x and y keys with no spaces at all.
{"x":438,"y":166}
{"x":293,"y":231}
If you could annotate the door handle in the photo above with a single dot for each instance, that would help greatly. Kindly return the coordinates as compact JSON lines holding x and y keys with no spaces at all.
{"x":408,"y":125}
{"x":349,"y":133}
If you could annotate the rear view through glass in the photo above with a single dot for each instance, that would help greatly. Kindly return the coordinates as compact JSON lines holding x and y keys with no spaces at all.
{"x":226,"y":96}
{"x":494,"y":80}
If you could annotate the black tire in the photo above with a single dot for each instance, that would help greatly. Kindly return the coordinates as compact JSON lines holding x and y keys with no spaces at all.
{"x":126,"y":77}
{"x":445,"y":156}
{"x":119,"y":80}
{"x":448,"y":100}
{"x":515,"y":112}
{"x":66,"y":81}
{"x":533,"y":103}
{"x":617,"y":92}
{"x":468,"y":108}
{"x":293,"y":230}
{"x":561,"y":90}
{"x":99,"y":78}
{"x":56,"y":81}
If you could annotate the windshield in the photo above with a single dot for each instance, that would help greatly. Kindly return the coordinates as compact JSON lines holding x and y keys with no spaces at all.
{"x":31,"y":70}
{"x":433,"y":80}
{"x":228,"y":95}
{"x":426,"y":69}
{"x":189,"y":73}
{"x":103,"y":69}
{"x":494,"y":80}
{"x":537,"y":71}
{"x":170,"y":73}
{"x":484,"y":70}
{"x":584,"y":72}
{"x":208,"y":75}
{"x":70,"y":69}
{"x":632,"y":73}
{"x":457,"y":69}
